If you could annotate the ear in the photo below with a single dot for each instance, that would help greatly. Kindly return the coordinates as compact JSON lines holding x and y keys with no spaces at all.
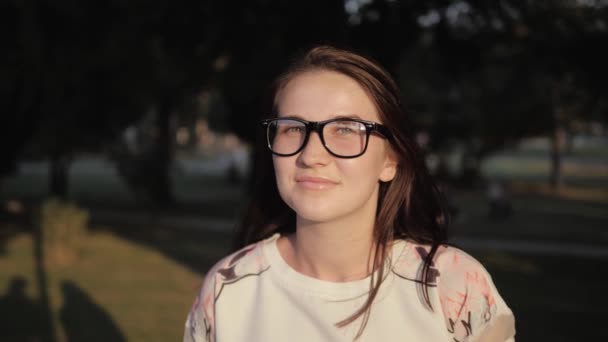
{"x":389,"y":169}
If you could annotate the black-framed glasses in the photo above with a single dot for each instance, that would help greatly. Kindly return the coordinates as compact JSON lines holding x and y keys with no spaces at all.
{"x":341,"y":137}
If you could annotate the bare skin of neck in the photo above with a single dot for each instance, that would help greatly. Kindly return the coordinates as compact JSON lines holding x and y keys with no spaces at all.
{"x":337,"y":251}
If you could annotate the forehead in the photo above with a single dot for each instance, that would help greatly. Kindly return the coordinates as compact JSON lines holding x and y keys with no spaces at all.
{"x":322,"y":95}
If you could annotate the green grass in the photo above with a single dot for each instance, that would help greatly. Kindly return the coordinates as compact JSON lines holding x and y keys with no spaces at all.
{"x":138,"y":283}
{"x":118,"y":287}
{"x":142,"y":288}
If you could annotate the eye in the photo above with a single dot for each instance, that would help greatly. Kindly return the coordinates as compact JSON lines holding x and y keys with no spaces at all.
{"x":291,"y":129}
{"x":344,"y":130}
{"x":294,"y":129}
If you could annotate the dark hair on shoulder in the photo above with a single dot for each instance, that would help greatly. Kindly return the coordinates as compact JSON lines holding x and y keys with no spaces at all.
{"x":409,"y":207}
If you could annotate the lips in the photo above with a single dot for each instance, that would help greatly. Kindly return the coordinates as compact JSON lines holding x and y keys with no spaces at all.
{"x":315,"y":183}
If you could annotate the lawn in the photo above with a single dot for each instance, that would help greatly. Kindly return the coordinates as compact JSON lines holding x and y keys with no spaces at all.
{"x":137,"y":283}
{"x":117,"y":290}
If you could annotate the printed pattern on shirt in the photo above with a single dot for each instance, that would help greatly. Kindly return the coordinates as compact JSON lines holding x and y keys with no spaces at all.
{"x":463,"y":288}
{"x":467,"y":296}
{"x":244,"y":263}
{"x":409,"y":265}
{"x":461,"y":291}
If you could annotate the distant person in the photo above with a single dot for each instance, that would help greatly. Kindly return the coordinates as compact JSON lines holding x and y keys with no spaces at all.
{"x":346,"y":236}
{"x":499,"y":202}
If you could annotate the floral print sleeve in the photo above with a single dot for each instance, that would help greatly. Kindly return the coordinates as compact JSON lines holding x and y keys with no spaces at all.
{"x":200,"y":322}
{"x":472,"y":307}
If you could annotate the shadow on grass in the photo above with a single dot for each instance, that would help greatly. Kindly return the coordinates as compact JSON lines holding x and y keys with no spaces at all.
{"x":23,"y":319}
{"x":85,"y":320}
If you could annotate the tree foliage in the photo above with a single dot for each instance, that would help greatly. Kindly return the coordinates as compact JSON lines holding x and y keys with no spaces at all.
{"x":75,"y":74}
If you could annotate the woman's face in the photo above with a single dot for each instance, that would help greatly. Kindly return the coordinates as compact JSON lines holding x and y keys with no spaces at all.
{"x":318,"y":186}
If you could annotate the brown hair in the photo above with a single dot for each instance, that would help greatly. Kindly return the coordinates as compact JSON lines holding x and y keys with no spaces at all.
{"x":409,"y":207}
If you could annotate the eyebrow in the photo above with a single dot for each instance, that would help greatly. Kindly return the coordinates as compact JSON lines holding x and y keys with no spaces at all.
{"x":348,"y":116}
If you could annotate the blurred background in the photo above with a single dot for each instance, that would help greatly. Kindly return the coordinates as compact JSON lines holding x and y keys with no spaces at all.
{"x":128,"y":130}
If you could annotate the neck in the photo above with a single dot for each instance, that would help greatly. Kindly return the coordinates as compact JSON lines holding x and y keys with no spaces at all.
{"x":340,"y":250}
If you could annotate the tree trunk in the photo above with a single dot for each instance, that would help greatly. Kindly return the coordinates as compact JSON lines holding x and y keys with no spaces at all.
{"x":47,"y":328}
{"x":557,"y":137}
{"x":557,"y":143}
{"x":163,"y":192}
{"x":58,"y":173}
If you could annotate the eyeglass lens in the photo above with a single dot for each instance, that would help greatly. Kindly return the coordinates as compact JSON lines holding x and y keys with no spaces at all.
{"x":343,"y":137}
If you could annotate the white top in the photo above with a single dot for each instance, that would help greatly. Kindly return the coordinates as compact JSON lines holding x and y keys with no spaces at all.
{"x":254,"y":295}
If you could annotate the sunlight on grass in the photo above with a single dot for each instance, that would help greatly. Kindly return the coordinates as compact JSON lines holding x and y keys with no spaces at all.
{"x":146,"y":294}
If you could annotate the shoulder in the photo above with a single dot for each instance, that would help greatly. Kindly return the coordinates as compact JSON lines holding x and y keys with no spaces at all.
{"x":247,"y":261}
{"x":457,"y":266}
{"x":472,"y":307}
{"x":471,"y":304}
{"x":450,"y":265}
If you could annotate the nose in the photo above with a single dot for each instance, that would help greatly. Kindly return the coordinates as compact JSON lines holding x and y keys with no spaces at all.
{"x":314,"y":152}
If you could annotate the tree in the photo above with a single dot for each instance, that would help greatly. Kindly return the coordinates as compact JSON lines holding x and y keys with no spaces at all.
{"x":82,"y":72}
{"x":495,"y":71}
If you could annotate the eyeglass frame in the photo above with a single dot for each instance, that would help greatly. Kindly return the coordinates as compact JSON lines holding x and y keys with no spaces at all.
{"x":318,"y":126}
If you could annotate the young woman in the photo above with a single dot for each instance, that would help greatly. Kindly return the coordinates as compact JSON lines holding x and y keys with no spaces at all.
{"x":346,"y":238}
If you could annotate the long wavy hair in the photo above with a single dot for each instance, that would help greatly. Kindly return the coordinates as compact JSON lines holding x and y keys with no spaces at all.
{"x":409,"y":207}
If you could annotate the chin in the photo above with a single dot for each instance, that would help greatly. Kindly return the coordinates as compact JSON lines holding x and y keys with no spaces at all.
{"x":318,"y":212}
{"x":311,"y":211}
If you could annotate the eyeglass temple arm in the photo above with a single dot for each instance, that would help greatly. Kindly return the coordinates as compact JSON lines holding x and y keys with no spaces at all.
{"x":383,"y":130}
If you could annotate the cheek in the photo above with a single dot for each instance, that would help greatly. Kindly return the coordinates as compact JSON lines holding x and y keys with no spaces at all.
{"x":360,"y":176}
{"x":282,"y":170}
{"x":368,"y":167}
